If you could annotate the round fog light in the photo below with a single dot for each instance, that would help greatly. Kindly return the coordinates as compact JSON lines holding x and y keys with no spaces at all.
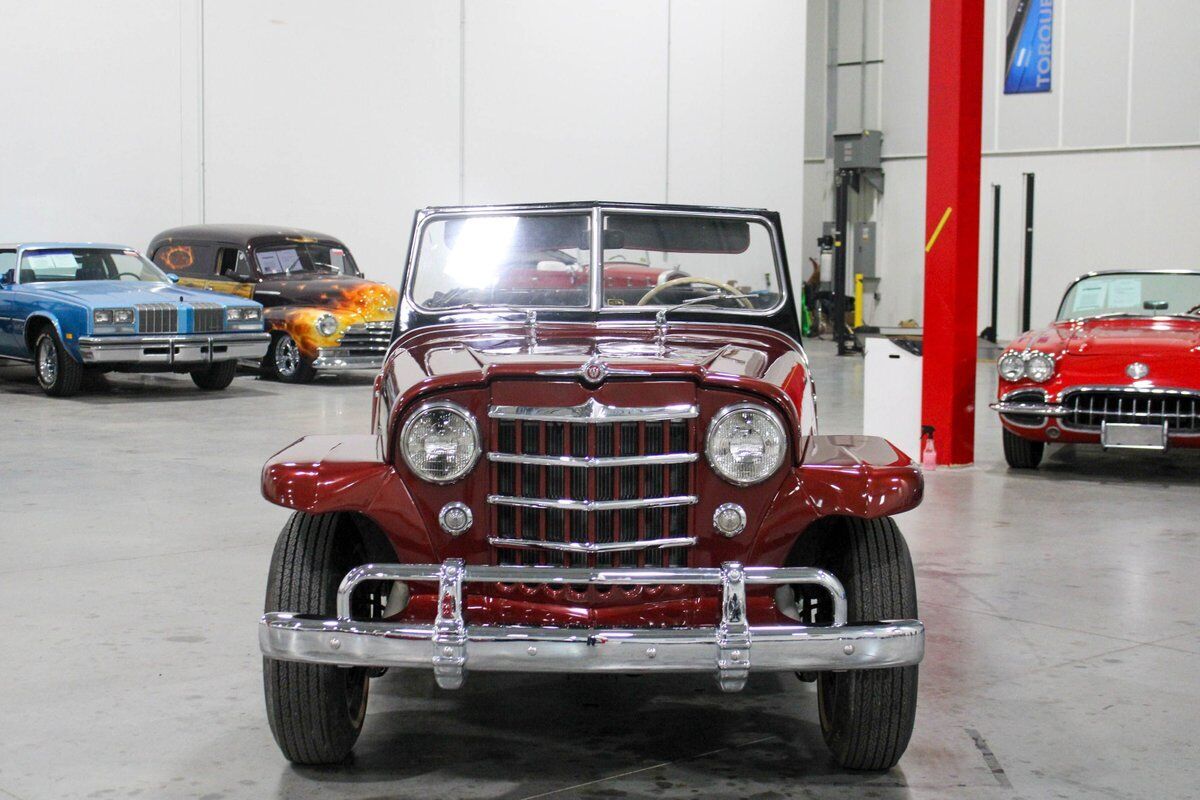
{"x":729,"y":519}
{"x":455,"y":518}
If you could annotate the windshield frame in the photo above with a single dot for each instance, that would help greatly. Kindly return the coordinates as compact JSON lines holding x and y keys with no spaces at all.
{"x":1058,"y":316}
{"x":110,"y":248}
{"x":595,"y":304}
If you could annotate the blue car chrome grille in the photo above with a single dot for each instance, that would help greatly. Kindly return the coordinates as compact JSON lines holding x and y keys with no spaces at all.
{"x":158,"y":318}
{"x":207,"y":318}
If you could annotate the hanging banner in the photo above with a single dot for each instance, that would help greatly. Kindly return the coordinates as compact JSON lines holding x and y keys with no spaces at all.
{"x":1030,"y":46}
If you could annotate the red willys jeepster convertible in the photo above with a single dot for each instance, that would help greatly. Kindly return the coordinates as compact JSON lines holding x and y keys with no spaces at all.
{"x":594,"y":449}
{"x":1120,"y":367}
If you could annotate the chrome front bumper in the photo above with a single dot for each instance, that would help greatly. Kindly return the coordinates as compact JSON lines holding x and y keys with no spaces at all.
{"x":329,"y":359}
{"x":1032,"y":409}
{"x":199,"y":348}
{"x":730,"y":649}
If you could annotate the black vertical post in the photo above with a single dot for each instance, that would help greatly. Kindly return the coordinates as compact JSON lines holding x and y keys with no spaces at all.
{"x":840,"y":224}
{"x":995,"y":262}
{"x":1027,"y":289}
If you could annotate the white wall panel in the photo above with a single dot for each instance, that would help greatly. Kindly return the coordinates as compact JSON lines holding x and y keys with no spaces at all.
{"x":343,"y":118}
{"x":90,"y":147}
{"x":1095,"y":73}
{"x":565,"y":101}
{"x":737,"y":107}
{"x":1030,"y":121}
{"x":816,"y":62}
{"x":905,"y":80}
{"x":1166,"y":72}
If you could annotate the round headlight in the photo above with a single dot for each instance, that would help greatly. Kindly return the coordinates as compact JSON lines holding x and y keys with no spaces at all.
{"x":327,"y":324}
{"x":1011,"y":367}
{"x":440,"y":442}
{"x":746,"y":443}
{"x":1039,"y":367}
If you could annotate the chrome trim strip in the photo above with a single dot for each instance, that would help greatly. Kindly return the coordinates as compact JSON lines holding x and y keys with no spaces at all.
{"x":566,"y":504}
{"x":593,"y":547}
{"x":1040,"y":409}
{"x":449,"y":646}
{"x":595,"y":462}
{"x":595,"y":412}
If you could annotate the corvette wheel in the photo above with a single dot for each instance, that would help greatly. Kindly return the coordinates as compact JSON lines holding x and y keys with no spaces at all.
{"x":215,"y":376}
{"x":315,"y":711}
{"x":1021,"y":453}
{"x":58,"y":373}
{"x":867,"y":715}
{"x":284,"y":361}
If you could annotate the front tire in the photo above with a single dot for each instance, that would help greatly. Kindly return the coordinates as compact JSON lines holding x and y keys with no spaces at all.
{"x":284,"y":361}
{"x":867,"y":715}
{"x":315,"y":711}
{"x":1021,"y":453}
{"x":58,"y":373}
{"x":215,"y":377}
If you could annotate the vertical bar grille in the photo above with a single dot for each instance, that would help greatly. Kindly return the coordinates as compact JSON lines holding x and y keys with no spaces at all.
{"x":158,"y":318}
{"x":207,"y":318}
{"x":1088,"y":409}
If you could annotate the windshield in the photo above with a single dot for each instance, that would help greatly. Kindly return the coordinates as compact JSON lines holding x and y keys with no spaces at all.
{"x":88,"y":264}
{"x":532,"y":260}
{"x":293,"y":257}
{"x":1139,"y":294}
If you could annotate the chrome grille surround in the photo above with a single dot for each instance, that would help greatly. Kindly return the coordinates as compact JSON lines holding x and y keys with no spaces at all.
{"x":157,"y":318}
{"x":592,"y":485}
{"x":1087,"y":408}
{"x":208,"y":318}
{"x":365,"y":339}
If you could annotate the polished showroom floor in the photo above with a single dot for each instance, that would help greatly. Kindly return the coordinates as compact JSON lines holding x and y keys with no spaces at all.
{"x":1062,"y":606}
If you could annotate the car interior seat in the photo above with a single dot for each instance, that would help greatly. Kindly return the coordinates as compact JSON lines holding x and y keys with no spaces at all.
{"x":91,"y":268}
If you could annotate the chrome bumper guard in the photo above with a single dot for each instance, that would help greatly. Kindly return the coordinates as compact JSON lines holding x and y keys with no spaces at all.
{"x":170,"y":349}
{"x":730,"y":649}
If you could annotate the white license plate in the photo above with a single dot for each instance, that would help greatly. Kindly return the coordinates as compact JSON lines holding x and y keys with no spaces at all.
{"x":1133,"y":437}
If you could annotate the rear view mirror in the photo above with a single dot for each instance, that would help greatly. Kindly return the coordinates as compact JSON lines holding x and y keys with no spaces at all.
{"x":1155,"y":305}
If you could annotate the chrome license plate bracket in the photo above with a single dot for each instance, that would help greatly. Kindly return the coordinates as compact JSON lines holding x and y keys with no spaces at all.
{"x":1127,"y":436}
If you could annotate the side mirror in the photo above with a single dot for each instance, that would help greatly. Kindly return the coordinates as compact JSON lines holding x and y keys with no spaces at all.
{"x":7,"y":278}
{"x":172,"y":277}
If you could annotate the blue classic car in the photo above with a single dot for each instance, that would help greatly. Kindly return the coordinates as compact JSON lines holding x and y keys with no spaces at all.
{"x":71,"y":308}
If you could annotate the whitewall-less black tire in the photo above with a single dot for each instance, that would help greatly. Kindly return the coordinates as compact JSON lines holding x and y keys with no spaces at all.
{"x":57,"y":372}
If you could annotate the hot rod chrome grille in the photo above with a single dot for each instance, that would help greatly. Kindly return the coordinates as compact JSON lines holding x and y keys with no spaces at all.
{"x":365,"y":339}
{"x":592,"y":485}
{"x":158,"y":318}
{"x":1088,"y":409}
{"x":207,"y":318}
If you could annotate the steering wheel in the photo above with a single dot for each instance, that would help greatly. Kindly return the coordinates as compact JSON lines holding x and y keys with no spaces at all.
{"x":133,"y":275}
{"x":650,"y":295}
{"x":1194,"y":309}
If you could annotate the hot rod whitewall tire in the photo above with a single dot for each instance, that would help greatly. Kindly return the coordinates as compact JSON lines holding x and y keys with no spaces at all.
{"x":315,"y":711}
{"x":215,"y":376}
{"x":58,"y":374}
{"x":1021,"y":453}
{"x":867,"y":715}
{"x":284,"y":361}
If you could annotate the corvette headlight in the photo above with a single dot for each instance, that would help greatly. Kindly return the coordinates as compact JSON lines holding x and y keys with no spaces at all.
{"x":440,"y":442}
{"x":746,"y":443}
{"x":1039,"y":367}
{"x":327,"y":324}
{"x":1011,"y":366}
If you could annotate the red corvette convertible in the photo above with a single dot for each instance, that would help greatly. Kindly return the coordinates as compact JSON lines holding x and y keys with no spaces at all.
{"x":1120,"y":367}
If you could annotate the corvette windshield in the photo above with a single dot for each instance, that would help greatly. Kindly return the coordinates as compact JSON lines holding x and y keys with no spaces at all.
{"x":88,"y":264}
{"x":330,"y":259}
{"x":532,"y":260}
{"x":1134,"y":294}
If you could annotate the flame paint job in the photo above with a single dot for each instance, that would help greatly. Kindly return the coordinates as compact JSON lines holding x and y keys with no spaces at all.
{"x":300,"y":303}
{"x":1096,"y":352}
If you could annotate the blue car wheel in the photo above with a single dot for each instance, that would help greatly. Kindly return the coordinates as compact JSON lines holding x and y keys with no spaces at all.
{"x":58,"y":374}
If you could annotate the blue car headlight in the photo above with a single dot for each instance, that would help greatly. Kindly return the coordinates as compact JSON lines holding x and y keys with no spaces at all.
{"x":242,"y":315}
{"x":112,"y":320}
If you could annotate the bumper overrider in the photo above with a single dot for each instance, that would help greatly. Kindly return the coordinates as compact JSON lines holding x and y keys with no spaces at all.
{"x":730,"y":649}
{"x":200,"y":348}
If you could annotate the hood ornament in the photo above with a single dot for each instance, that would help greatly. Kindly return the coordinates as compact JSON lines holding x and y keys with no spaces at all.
{"x":1137,"y":370}
{"x":593,"y":370}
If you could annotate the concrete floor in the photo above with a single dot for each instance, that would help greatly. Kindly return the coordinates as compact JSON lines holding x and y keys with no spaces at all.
{"x":1062,"y":609}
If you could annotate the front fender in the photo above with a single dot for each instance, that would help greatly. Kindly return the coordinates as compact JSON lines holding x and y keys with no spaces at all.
{"x":69,"y":325}
{"x":850,"y":476}
{"x":348,"y":474}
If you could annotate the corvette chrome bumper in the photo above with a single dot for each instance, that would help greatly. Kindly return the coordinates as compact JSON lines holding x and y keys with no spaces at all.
{"x":730,"y":649}
{"x":199,"y":348}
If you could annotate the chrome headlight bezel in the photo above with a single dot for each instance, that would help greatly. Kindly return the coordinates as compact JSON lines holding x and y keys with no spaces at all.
{"x":1038,"y":357}
{"x":326,"y":324}
{"x":432,"y":406}
{"x":240,"y":314}
{"x":725,"y":415}
{"x":113,"y":320}
{"x":1016,"y":366}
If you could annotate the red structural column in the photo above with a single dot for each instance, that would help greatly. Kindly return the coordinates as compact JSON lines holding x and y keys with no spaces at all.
{"x":952,"y":226}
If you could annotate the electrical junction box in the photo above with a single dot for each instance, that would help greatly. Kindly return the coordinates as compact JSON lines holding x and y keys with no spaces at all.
{"x":861,"y":150}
